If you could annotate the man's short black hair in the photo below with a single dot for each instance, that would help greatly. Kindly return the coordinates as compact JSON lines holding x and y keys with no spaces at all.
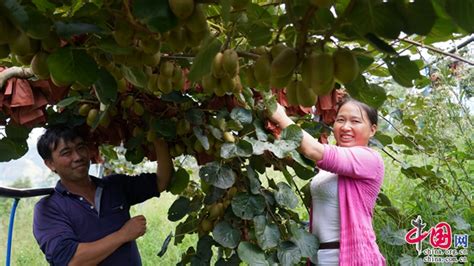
{"x":48,"y":142}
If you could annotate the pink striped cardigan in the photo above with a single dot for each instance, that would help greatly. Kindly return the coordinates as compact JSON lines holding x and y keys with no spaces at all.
{"x":360,"y":173}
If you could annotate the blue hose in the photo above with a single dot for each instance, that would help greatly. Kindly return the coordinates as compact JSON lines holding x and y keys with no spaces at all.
{"x":10,"y":230}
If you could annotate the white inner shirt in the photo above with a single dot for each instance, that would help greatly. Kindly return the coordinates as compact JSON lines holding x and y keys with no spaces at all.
{"x":326,"y":221}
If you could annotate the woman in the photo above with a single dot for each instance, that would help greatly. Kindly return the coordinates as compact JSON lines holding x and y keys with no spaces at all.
{"x":345,"y":190}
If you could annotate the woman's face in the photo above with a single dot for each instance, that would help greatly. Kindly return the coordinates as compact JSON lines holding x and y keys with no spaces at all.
{"x":352,"y":126}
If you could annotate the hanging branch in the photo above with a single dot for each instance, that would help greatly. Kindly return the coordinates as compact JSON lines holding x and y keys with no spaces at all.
{"x":15,"y":72}
{"x":434,"y":49}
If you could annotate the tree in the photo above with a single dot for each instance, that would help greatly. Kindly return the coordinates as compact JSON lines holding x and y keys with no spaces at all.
{"x":198,"y":73}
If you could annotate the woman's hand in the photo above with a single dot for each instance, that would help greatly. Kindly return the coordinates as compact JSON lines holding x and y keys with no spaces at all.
{"x":280,"y":117}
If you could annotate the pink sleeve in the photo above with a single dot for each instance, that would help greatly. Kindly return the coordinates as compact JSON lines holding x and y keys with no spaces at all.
{"x":357,"y":162}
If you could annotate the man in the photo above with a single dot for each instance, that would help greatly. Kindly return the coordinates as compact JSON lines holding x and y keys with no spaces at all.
{"x":86,"y":221}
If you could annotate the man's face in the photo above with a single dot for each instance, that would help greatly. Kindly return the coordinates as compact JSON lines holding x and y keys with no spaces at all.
{"x":70,"y":160}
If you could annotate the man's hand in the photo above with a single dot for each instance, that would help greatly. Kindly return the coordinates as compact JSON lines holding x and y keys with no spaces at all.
{"x":133,"y":228}
{"x":92,"y":253}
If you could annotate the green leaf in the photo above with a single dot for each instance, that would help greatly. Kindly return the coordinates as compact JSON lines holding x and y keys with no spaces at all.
{"x":195,"y":116}
{"x":290,"y":140}
{"x":254,"y":182}
{"x":260,"y":130}
{"x":403,"y":71}
{"x":247,"y":206}
{"x":203,"y":60}
{"x":258,"y":29}
{"x":242,"y":115}
{"x":232,"y":261}
{"x":407,"y":260}
{"x":108,"y":152}
{"x":379,"y":71}
{"x":71,"y":65}
{"x":68,"y":30}
{"x":204,"y":250}
{"x":179,"y":182}
{"x":285,"y":196}
{"x":217,"y":133}
{"x":259,"y":147}
{"x":461,"y":11}
{"x":419,"y":16}
{"x":165,"y":127}
{"x":218,"y":175}
{"x":292,"y":133}
{"x":43,"y":5}
{"x":442,"y":30}
{"x":383,"y":200}
{"x":225,"y":10}
{"x":407,"y":141}
{"x":106,"y":87}
{"x":379,"y":44}
{"x":240,"y":149}
{"x":410,"y":123}
{"x":460,"y":223}
{"x":17,"y":132}
{"x":372,"y":94}
{"x":281,"y":148}
{"x":135,"y":156}
{"x":307,"y":243}
{"x":178,"y":209}
{"x":226,"y":235}
{"x":188,"y":226}
{"x":378,"y":17}
{"x":110,"y":46}
{"x":157,"y":15}
{"x":199,"y":133}
{"x":164,"y":247}
{"x":268,"y":235}
{"x":288,"y":253}
{"x":384,"y":139}
{"x":394,"y":238}
{"x":251,"y":254}
{"x":28,"y":19}
{"x":11,"y":150}
{"x":363,"y":59}
{"x":213,"y":194}
{"x":135,"y":75}
{"x":302,"y":168}
{"x":68,"y":101}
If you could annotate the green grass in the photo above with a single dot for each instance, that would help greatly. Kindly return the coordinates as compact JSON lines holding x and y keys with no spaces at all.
{"x":25,"y":250}
{"x":158,"y":228}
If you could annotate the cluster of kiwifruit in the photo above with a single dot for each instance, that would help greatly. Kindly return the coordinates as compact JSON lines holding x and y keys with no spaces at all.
{"x":272,"y":68}
{"x":189,"y":144}
{"x":168,"y":79}
{"x":28,"y":48}
{"x":145,"y":46}
{"x":192,"y":28}
{"x":318,"y":74}
{"x":280,"y":68}
{"x":224,"y":77}
{"x":212,"y":214}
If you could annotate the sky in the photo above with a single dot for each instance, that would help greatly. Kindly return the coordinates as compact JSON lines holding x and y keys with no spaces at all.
{"x":30,"y":165}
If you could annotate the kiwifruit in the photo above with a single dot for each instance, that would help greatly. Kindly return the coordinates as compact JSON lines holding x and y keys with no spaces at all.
{"x":284,"y":63}
{"x":230,"y":62}
{"x":346,"y":67}
{"x":262,"y":69}
{"x":39,"y":65}
{"x":182,"y":8}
